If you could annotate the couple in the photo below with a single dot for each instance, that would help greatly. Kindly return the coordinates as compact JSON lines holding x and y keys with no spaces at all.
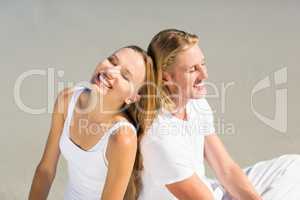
{"x":143,"y":130}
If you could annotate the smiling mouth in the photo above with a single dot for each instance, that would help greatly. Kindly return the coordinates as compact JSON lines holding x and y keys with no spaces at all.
{"x":102,"y":79}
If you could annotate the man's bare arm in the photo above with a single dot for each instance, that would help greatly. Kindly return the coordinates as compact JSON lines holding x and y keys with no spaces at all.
{"x":191,"y":188}
{"x":228,"y":172}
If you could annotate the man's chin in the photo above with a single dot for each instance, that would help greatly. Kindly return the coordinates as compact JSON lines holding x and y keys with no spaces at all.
{"x":198,"y":96}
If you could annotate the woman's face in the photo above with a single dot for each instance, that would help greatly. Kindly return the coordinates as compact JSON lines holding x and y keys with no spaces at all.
{"x":120,"y":75}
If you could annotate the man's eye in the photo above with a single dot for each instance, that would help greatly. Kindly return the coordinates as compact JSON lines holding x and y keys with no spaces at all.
{"x":192,"y":69}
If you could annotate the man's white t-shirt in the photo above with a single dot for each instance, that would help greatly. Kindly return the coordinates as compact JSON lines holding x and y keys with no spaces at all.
{"x":172,"y":149}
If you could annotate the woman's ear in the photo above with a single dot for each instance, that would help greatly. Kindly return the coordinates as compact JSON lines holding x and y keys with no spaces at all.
{"x":133,"y":99}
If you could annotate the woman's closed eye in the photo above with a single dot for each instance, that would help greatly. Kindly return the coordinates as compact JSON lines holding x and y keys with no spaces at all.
{"x":125,"y":74}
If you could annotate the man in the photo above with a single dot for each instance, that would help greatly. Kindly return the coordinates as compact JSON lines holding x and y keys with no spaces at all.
{"x":183,"y":136}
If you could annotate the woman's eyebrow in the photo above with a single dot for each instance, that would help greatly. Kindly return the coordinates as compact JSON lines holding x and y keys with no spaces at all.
{"x":114,"y":59}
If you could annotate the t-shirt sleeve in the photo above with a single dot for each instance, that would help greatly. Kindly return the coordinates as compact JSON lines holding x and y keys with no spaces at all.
{"x":167,"y":159}
{"x":204,"y":116}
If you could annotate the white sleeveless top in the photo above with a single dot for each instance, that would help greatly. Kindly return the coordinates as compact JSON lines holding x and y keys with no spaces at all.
{"x":86,"y":169}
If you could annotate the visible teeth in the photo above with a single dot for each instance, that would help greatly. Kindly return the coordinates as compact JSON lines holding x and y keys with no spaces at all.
{"x":103,"y":80}
{"x":198,"y":83}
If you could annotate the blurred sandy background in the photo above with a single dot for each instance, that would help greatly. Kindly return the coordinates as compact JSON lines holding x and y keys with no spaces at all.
{"x":244,"y":42}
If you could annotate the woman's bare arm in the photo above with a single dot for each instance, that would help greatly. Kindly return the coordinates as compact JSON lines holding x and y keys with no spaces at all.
{"x":227,"y":170}
{"x":121,"y":152}
{"x":46,"y":169}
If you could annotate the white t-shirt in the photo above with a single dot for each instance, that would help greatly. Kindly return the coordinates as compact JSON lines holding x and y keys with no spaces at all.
{"x":172,"y":149}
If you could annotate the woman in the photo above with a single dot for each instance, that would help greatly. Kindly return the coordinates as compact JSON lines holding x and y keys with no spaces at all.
{"x":92,"y":129}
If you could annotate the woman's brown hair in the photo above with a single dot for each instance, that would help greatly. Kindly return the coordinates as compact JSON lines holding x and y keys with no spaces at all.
{"x":141,"y":114}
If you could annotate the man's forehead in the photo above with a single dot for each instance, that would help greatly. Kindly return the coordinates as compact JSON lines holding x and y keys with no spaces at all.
{"x":189,"y":57}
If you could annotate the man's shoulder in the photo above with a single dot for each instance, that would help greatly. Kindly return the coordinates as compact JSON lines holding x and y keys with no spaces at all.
{"x":162,"y":129}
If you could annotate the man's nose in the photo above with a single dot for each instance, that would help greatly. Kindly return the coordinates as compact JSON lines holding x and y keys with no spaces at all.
{"x":203,"y":73}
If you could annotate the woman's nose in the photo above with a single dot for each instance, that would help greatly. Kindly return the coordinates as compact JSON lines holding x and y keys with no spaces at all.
{"x":112,"y":72}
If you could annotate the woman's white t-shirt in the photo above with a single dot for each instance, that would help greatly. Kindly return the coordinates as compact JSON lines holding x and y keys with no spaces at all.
{"x":173,"y":149}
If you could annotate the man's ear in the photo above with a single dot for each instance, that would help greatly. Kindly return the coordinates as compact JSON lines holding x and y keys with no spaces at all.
{"x":136,"y":97}
{"x":166,"y":76}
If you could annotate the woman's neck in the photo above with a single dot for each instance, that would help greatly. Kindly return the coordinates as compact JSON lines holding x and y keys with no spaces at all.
{"x":99,"y":108}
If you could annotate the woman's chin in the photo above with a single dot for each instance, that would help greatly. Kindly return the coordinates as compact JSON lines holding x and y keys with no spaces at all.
{"x":103,"y":91}
{"x":99,"y":89}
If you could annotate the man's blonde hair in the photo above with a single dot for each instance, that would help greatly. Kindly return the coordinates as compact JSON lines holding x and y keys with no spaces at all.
{"x":163,"y":48}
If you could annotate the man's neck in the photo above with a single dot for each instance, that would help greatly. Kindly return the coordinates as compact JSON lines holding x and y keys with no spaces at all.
{"x":180,"y":110}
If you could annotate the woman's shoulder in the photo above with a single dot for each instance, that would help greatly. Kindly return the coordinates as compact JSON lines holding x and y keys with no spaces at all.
{"x":123,"y":130}
{"x":124,"y":136}
{"x":63,"y":100}
{"x":121,"y":117}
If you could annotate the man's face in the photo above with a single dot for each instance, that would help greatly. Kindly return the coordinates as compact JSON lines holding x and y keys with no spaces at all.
{"x":187,"y":74}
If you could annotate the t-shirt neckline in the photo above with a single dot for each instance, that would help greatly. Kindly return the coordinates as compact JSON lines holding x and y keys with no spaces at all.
{"x":188,"y":113}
